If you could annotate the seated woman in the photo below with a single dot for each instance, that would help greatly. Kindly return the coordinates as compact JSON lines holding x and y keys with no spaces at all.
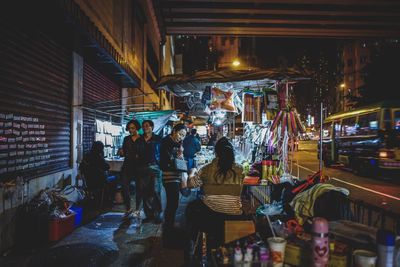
{"x":93,"y":168}
{"x":221,"y":181}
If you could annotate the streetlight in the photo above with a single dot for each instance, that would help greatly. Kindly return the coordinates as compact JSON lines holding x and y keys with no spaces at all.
{"x":236,"y":63}
{"x":342,"y":86}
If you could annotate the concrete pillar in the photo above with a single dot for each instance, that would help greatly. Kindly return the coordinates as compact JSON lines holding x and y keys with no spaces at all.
{"x":77,"y":114}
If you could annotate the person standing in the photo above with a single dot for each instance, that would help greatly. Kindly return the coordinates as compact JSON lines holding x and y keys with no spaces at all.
{"x":191,"y":146}
{"x":171,"y":149}
{"x":129,"y":167}
{"x":149,"y":174}
{"x":212,"y":140}
{"x":94,"y":169}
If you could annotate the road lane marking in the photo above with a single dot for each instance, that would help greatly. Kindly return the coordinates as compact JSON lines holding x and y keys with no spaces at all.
{"x":304,"y":168}
{"x":358,"y":186}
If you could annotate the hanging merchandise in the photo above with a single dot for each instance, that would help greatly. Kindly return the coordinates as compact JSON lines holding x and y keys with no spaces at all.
{"x":270,"y":103}
{"x":222,"y":100}
{"x":206,"y":97}
{"x":283,"y":95}
{"x":237,"y":101}
{"x":270,"y":99}
{"x":257,"y":109}
{"x":248,"y":108}
{"x":284,"y":129}
{"x":99,"y":126}
{"x":289,"y":121}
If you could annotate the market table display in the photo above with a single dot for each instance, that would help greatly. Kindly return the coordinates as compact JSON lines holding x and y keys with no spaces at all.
{"x":115,"y":164}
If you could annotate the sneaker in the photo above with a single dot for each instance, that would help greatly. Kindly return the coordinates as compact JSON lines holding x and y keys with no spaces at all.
{"x":136,"y":213}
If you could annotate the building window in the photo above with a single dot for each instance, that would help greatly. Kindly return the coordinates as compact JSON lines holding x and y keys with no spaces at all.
{"x":351,"y":78}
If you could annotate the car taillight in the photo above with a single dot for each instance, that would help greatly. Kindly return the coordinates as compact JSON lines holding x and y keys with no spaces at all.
{"x":386,"y":154}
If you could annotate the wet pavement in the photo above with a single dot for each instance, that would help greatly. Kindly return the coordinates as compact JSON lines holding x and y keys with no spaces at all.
{"x":110,"y":240}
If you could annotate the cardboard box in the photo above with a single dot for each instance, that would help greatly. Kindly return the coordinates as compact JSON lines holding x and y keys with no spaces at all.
{"x":238,"y":229}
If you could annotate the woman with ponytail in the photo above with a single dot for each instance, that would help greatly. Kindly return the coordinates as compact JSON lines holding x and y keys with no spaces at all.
{"x":221,"y":182}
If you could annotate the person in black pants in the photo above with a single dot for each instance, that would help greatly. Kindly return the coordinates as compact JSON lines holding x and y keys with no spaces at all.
{"x":171,"y":148}
{"x":149,"y":181}
{"x":129,"y":167}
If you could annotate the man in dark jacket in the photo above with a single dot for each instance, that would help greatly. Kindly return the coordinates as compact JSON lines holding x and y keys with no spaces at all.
{"x":191,"y":145}
{"x":149,"y":183}
{"x":129,"y":168}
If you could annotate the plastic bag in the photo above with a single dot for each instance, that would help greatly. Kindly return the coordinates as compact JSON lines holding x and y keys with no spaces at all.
{"x":271,"y":209}
{"x":72,"y":194}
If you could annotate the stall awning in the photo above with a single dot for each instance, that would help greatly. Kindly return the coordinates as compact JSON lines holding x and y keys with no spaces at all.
{"x":184,"y":85}
{"x":160,"y":118}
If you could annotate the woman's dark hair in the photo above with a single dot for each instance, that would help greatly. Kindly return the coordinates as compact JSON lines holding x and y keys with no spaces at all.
{"x":98,"y":148}
{"x":149,"y":122}
{"x":226,"y":157}
{"x":178,"y":127}
{"x":134,"y":122}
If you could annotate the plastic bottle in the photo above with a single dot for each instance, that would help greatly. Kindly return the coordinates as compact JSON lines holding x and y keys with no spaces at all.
{"x":270,"y":171}
{"x":274,"y":169}
{"x":248,"y":256}
{"x":386,"y":242}
{"x":320,"y":242}
{"x":238,"y":256}
{"x":264,"y":256}
{"x":264,"y":170}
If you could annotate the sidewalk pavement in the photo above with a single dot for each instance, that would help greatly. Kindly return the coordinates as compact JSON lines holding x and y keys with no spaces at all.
{"x":109,"y":240}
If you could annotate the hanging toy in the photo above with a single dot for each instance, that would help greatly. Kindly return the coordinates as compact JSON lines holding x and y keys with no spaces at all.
{"x":277,"y":120}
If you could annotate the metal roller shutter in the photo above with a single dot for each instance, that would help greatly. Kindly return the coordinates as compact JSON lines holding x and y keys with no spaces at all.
{"x":35,"y":104}
{"x":102,"y":96}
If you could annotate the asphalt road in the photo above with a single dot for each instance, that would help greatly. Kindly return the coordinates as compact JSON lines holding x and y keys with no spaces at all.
{"x":384,"y":193}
